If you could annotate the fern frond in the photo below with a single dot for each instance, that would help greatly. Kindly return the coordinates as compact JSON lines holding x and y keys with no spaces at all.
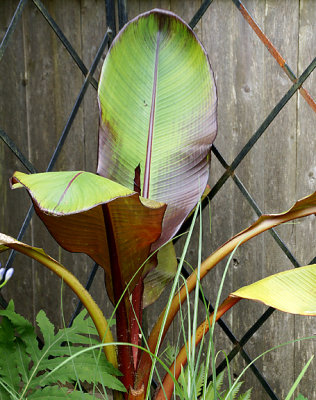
{"x":25,"y":368}
{"x":246,"y":395}
{"x":200,"y":379}
{"x":209,"y":395}
{"x":57,"y":392}
{"x":300,"y":397}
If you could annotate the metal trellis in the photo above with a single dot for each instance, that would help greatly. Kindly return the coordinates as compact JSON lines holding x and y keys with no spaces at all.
{"x":121,"y":8}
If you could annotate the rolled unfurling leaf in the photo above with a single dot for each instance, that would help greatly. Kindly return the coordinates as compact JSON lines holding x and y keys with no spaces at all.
{"x":159,"y":276}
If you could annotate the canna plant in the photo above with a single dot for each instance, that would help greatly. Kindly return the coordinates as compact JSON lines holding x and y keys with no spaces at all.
{"x":157,"y":99}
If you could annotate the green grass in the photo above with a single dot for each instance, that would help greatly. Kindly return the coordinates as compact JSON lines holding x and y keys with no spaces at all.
{"x":24,"y":367}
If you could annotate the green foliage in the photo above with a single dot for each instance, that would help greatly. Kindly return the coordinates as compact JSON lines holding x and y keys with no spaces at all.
{"x":198,"y":376}
{"x":157,"y":125}
{"x":209,"y":394}
{"x":300,"y":397}
{"x":64,"y":358}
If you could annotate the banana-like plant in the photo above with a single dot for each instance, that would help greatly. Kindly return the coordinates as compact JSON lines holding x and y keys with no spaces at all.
{"x":158,"y":101}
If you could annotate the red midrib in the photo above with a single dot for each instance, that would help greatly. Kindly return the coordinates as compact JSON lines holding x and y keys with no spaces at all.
{"x":151,"y":125}
{"x":67,"y":188}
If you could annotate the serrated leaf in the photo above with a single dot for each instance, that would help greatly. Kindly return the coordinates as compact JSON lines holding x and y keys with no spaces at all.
{"x":14,"y":360}
{"x":209,"y":395}
{"x":23,"y":360}
{"x":57,"y":392}
{"x":170,"y":353}
{"x":183,"y":379}
{"x":200,"y":380}
{"x":300,"y":397}
{"x":246,"y":395}
{"x":46,"y":327}
{"x":92,"y":358}
{"x":20,"y":365}
{"x":84,"y":367}
{"x":233,"y":393}
{"x":8,"y":366}
{"x":81,"y":332}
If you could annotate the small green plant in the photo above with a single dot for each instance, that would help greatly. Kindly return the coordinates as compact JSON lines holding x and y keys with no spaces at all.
{"x":300,"y":397}
{"x":209,"y":392}
{"x":158,"y":104}
{"x":203,"y":389}
{"x":67,"y":357}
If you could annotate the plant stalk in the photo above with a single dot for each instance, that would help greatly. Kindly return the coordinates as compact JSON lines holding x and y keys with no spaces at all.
{"x":93,"y":309}
{"x":125,"y":360}
{"x":302,"y":208}
{"x":136,"y":315}
{"x":136,"y":394}
{"x":181,"y":359}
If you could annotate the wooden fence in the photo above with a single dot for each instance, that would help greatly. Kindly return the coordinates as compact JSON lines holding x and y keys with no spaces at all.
{"x":39,"y":84}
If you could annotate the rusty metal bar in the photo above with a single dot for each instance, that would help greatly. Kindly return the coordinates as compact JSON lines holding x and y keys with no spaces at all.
{"x":271,"y":48}
{"x":245,"y":150}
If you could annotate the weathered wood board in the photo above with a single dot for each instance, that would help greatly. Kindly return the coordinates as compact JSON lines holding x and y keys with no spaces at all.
{"x":39,"y":84}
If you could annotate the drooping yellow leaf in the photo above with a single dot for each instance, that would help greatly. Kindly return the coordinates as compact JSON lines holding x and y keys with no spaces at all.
{"x":292,"y":291}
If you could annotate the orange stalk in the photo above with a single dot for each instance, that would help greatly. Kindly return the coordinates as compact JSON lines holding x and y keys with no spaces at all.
{"x":85,"y":297}
{"x":181,"y":360}
{"x":302,"y":208}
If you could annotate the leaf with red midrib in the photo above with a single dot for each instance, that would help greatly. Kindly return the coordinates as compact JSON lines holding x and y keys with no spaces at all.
{"x":74,"y":213}
{"x":159,"y":113}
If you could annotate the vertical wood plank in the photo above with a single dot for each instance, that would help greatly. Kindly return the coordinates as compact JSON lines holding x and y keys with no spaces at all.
{"x":306,"y":183}
{"x":93,"y":28}
{"x":253,"y":75}
{"x":39,"y":84}
{"x":54,"y":83}
{"x":146,"y":5}
{"x":237,"y":59}
{"x":280,"y":178}
{"x":13,"y":120}
{"x":186,"y":13}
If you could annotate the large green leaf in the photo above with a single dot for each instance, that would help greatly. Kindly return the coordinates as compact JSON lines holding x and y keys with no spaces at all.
{"x":292,"y":291}
{"x":90,"y":214}
{"x":158,"y":114}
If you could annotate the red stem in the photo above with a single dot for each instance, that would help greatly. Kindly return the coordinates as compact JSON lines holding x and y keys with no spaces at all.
{"x":136,"y":314}
{"x":125,"y":361}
